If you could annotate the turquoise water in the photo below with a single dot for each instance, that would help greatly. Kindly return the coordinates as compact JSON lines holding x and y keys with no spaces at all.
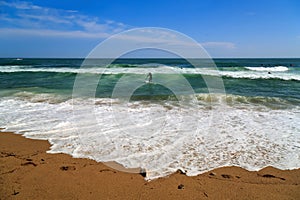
{"x":58,"y":75}
{"x":253,"y":123}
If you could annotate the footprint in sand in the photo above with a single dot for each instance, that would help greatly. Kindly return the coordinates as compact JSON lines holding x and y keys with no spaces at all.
{"x":66,"y":168}
{"x":29,"y":163}
{"x":271,"y":176}
{"x":226,"y":176}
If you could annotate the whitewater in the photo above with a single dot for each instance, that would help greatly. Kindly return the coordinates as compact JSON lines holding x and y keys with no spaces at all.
{"x":254,"y":124}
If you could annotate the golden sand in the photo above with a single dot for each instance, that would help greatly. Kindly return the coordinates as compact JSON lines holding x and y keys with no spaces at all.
{"x":28,"y":172}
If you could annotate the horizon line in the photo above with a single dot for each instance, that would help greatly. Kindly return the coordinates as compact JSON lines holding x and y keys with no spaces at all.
{"x":150,"y":58}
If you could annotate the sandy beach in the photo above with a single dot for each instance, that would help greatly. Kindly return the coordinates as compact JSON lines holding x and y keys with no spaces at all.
{"x":149,"y":100}
{"x":28,"y":172}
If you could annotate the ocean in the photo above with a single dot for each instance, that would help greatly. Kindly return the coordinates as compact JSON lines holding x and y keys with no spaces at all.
{"x":159,"y":125}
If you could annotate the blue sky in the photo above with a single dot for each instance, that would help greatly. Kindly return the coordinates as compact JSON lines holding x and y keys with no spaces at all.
{"x":225,"y":28}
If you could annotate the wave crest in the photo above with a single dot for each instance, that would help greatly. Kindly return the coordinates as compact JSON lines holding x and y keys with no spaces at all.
{"x":269,"y":69}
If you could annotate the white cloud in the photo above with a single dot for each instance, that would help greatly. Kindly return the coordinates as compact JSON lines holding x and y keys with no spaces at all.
{"x":27,"y":18}
{"x":226,"y":45}
{"x":46,"y":18}
{"x":50,"y":33}
{"x":20,"y":5}
{"x":164,"y":37}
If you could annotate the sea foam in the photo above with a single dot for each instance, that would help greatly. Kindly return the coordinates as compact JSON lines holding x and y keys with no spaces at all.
{"x":278,"y":72}
{"x":269,"y":69}
{"x":162,"y":137}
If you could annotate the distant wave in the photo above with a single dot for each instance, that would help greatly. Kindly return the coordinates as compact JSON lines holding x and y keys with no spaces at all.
{"x":280,"y":72}
{"x":269,"y":69}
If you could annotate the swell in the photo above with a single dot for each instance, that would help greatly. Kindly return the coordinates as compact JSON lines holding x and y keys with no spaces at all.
{"x":232,"y":73}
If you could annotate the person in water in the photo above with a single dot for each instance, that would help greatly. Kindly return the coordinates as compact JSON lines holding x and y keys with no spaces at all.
{"x":149,"y":76}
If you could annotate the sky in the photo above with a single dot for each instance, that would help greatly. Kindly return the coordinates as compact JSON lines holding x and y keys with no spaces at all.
{"x":225,"y":28}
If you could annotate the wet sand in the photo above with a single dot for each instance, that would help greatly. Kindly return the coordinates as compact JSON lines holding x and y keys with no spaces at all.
{"x":28,"y":172}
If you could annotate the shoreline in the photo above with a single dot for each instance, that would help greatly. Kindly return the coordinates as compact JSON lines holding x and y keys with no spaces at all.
{"x":28,"y":172}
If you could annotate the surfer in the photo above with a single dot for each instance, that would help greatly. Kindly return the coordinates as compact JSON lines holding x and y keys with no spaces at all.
{"x":149,"y":76}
